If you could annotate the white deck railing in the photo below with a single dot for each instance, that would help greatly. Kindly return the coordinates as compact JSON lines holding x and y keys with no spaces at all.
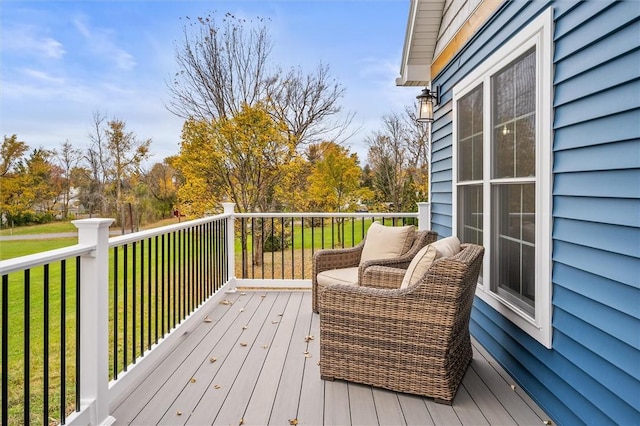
{"x":200,"y":266}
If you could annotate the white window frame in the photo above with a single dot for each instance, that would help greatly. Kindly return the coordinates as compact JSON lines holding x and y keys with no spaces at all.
{"x":538,"y":33}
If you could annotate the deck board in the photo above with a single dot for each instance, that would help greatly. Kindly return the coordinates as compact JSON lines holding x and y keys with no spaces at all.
{"x":275,"y":378}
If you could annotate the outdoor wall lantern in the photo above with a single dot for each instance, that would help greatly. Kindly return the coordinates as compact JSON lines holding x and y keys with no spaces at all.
{"x":426,"y":101}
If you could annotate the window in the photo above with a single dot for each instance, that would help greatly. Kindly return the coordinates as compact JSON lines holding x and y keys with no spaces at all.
{"x":502,"y":175}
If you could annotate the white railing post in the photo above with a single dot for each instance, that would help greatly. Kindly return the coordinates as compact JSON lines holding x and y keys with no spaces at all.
{"x":424,"y":216}
{"x":94,"y":320}
{"x":231,"y":265}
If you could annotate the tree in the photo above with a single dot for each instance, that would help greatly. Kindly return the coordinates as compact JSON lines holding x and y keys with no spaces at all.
{"x":223,"y":67}
{"x":334,"y":183}
{"x":68,"y":158}
{"x":161,"y":183}
{"x":398,"y":157}
{"x":10,"y":153}
{"x":126,"y":152}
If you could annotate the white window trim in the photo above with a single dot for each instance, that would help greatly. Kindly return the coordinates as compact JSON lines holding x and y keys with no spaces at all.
{"x":537,"y":33}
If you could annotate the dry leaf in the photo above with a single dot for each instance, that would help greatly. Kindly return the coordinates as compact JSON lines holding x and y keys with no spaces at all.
{"x":293,"y":421}
{"x":244,"y":327}
{"x":241,"y":309}
{"x":265,"y":346}
{"x":264,"y":295}
{"x":193,"y":380}
{"x":274,"y":322}
{"x":225,"y":302}
{"x":207,"y":319}
{"x":243,"y":344}
{"x":217,"y":386}
{"x":179,"y":413}
{"x":307,"y":354}
{"x":547,"y":422}
{"x":513,"y":387}
{"x":280,"y":314}
{"x":212,"y":359}
{"x":241,"y":421}
{"x":243,"y":294}
{"x":307,"y":338}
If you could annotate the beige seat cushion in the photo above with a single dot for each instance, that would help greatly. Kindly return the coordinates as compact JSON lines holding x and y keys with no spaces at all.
{"x":338,"y":276}
{"x":422,"y":261}
{"x":385,"y":242}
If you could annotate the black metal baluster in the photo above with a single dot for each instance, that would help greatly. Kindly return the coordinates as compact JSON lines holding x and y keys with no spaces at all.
{"x":45,"y":382}
{"x":78,"y":342}
{"x":155,"y":295}
{"x":162,"y":265}
{"x":273,"y":252}
{"x":115,"y":312}
{"x":263,"y":243}
{"x":322,"y":231}
{"x":253,"y":247}
{"x":282,"y":245}
{"x":63,"y":341}
{"x":5,"y":349}
{"x":134,"y":302}
{"x":27,"y":346}
{"x":333,"y":221}
{"x":302,"y":243}
{"x":293,"y":262}
{"x":141,"y":297}
{"x":149,"y":307}
{"x":125,"y":274}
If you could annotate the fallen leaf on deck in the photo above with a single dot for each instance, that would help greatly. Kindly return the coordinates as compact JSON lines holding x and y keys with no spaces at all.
{"x":207,"y":319}
{"x":548,"y":422}
{"x":243,"y":344}
{"x":307,"y":338}
{"x":513,"y":387}
{"x":213,"y":359}
{"x":241,"y":309}
{"x":293,"y":421}
{"x":241,"y":421}
{"x":243,"y":294}
{"x":244,"y":327}
{"x":307,"y":354}
{"x":274,"y":322}
{"x":265,"y":346}
{"x":179,"y":413}
{"x":217,"y":386}
{"x":280,"y":314}
{"x":264,"y":295}
{"x":193,"y":380}
{"x":225,"y":302}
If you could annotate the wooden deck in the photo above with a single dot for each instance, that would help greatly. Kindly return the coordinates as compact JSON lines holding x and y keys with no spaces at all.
{"x":254,"y":361}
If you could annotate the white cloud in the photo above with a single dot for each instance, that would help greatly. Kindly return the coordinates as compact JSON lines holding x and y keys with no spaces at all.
{"x":101,"y":42}
{"x":28,"y":40}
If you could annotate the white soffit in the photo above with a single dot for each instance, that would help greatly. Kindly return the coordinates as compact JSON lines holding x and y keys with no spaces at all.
{"x":423,"y":26}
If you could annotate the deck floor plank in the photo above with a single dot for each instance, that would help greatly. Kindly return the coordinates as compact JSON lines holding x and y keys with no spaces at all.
{"x":281,"y":382}
{"x":261,"y":404}
{"x":287,"y":396}
{"x":312,"y":394}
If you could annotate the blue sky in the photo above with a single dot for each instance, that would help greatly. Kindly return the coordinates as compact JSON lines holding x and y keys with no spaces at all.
{"x":61,"y":61}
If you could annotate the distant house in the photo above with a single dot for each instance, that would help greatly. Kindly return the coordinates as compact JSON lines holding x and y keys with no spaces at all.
{"x":536,"y":156}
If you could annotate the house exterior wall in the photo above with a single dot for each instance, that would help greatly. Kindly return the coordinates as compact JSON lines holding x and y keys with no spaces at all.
{"x":592,"y":373}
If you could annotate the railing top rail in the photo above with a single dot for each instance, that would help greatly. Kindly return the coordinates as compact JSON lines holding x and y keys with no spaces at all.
{"x":150,"y":233}
{"x":38,"y":259}
{"x":320,"y":215}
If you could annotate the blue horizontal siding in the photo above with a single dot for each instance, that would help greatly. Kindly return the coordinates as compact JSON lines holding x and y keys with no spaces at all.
{"x":604,"y":51}
{"x":598,"y":183}
{"x":625,"y":269}
{"x":617,"y":211}
{"x":613,"y":128}
{"x":595,"y":105}
{"x":616,"y":325}
{"x":623,"y":240}
{"x":622,"y":155}
{"x":606,"y":291}
{"x":570,"y":13}
{"x":613,"y":73}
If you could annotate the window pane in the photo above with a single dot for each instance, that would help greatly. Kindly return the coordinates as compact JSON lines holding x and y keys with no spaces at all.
{"x":513,"y":120}
{"x":513,"y":243}
{"x":470,"y":136}
{"x":470,"y":216}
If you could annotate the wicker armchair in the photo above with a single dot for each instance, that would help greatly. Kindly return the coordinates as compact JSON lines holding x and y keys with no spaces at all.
{"x":413,"y":340}
{"x":324,"y":260}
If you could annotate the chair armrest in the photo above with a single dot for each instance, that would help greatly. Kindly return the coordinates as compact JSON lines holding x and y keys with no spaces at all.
{"x":326,"y":259}
{"x":382,"y":277}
